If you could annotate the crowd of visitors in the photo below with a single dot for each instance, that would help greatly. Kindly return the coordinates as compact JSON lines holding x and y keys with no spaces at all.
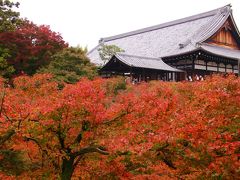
{"x":194,"y":78}
{"x":189,"y":78}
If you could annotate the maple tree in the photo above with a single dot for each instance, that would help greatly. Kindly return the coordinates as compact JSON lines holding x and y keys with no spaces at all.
{"x":24,"y":46}
{"x":31,"y":46}
{"x":62,"y":126}
{"x":103,"y":128}
{"x":69,"y":65}
{"x":181,"y":130}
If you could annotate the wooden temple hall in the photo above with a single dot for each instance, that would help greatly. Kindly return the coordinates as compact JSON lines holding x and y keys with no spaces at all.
{"x":198,"y":45}
{"x":140,"y":68}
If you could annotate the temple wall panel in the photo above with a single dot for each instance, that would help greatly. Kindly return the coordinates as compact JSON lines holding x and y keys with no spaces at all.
{"x":224,"y":37}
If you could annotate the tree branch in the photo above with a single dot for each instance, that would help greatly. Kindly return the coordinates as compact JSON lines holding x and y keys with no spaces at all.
{"x":78,"y":138}
{"x":59,"y":136}
{"x":3,"y":96}
{"x":91,"y":149}
{"x":77,"y":161}
{"x":44,"y":152}
{"x":122,"y":114}
{"x":7,"y":136}
{"x":85,"y":127}
{"x":34,"y":140}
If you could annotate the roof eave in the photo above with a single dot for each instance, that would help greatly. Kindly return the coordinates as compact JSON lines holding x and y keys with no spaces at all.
{"x":184,"y":53}
{"x":216,"y":54}
{"x":170,"y":69}
{"x":234,"y":24}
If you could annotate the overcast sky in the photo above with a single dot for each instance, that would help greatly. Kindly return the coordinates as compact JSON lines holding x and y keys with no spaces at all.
{"x":84,"y":22}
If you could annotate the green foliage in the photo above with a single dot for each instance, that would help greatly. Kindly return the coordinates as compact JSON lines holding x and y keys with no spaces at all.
{"x":70,"y":65}
{"x":9,"y":19}
{"x":12,"y":162}
{"x":107,"y":51}
{"x":6,"y":70}
{"x":114,"y":86}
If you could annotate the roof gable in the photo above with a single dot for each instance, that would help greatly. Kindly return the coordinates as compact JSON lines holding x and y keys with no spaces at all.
{"x":226,"y":36}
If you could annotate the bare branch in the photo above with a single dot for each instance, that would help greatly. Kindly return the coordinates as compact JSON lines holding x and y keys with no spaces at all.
{"x":78,"y":138}
{"x":91,"y":149}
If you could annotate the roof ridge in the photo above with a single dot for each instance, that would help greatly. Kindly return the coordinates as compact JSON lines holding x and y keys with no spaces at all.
{"x":208,"y":29}
{"x":166,"y":24}
{"x":129,"y":55}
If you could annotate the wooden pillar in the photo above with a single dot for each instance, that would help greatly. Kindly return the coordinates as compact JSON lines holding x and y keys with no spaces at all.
{"x":185,"y":65}
{"x":185,"y":75}
{"x":193,"y":64}
{"x":143,"y":75}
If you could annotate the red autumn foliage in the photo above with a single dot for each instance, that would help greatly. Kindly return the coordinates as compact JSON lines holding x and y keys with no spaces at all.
{"x":156,"y":130}
{"x":31,"y":46}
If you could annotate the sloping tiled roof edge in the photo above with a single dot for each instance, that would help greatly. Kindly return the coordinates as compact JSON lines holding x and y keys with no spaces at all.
{"x":212,"y":49}
{"x":234,"y":23}
{"x":89,"y":52}
{"x":220,"y":51}
{"x":167,"y":24}
{"x":142,"y":57}
{"x":215,"y":26}
{"x":121,"y":57}
{"x":182,"y":53}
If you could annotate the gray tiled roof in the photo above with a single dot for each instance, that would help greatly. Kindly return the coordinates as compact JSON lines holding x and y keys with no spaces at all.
{"x":145,"y":62}
{"x":221,"y":51}
{"x":165,"y":39}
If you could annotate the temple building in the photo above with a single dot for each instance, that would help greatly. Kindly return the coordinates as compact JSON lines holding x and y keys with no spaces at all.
{"x":199,"y":45}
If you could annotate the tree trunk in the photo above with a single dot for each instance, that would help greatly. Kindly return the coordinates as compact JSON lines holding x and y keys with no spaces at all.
{"x":67,"y":168}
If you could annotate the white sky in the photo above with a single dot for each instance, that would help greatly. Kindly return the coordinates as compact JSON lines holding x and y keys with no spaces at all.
{"x":84,"y":22}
